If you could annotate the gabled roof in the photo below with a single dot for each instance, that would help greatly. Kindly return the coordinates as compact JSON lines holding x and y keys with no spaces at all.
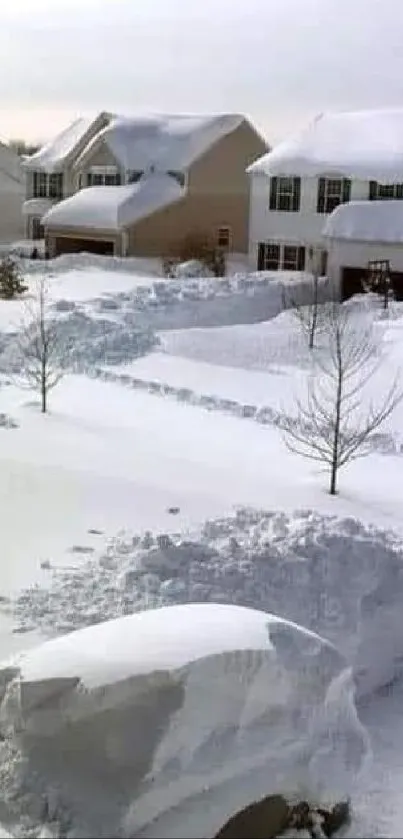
{"x":53,"y":156}
{"x":366,"y":221}
{"x":166,"y":142}
{"x":365,"y":145}
{"x":114,"y":207}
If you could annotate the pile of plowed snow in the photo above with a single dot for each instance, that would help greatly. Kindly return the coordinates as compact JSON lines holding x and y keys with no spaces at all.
{"x":337,"y":577}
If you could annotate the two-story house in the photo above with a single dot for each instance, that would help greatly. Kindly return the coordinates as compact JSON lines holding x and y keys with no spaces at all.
{"x":49,"y":173}
{"x":338,"y":158}
{"x":141,"y":185}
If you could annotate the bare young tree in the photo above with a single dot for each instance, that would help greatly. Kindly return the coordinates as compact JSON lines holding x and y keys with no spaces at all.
{"x":331,"y":425}
{"x":39,"y":348}
{"x":307,"y":303}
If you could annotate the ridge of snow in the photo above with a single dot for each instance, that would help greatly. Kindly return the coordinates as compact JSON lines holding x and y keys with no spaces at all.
{"x":364,"y":144}
{"x":188,"y":713}
{"x":171,"y":142}
{"x":115,"y":207}
{"x":366,"y":221}
{"x":53,"y":154}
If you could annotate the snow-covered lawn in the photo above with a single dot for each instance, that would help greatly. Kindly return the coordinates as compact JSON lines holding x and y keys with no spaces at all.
{"x":123,"y":497}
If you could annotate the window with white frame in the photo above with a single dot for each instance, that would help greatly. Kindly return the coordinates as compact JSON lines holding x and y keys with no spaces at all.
{"x":278,"y":256}
{"x":385,"y":192}
{"x":331,"y":193}
{"x":47,"y":186}
{"x":285,"y":194}
{"x":224,"y":238}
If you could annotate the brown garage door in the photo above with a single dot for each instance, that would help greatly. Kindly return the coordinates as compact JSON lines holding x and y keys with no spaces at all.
{"x":66,"y":244}
{"x":352,"y":282}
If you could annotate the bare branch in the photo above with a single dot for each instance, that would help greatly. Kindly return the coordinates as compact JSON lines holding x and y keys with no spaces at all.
{"x":331,"y":425}
{"x":41,"y":357}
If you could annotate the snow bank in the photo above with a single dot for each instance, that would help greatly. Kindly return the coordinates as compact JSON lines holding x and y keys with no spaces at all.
{"x":362,"y":144}
{"x":164,"y":724}
{"x":337,"y":577}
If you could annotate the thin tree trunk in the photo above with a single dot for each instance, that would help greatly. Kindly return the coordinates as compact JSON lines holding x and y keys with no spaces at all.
{"x":314,"y":314}
{"x":336,"y":436}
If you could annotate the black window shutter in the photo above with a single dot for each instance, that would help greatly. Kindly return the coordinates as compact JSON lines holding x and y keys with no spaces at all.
{"x":260,"y":256}
{"x":399,"y":192}
{"x":273,"y":193}
{"x":301,"y":259}
{"x":296,"y":198}
{"x":346,"y":190}
{"x":320,"y":207}
{"x":35,"y":185}
{"x":373,"y":190}
{"x":89,"y":179}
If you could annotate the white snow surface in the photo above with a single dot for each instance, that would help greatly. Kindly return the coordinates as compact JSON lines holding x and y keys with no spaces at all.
{"x":166,"y":142}
{"x":114,"y":207}
{"x":122,"y":499}
{"x":207,"y":707}
{"x":53,"y":155}
{"x":366,"y":221}
{"x":361,"y":144}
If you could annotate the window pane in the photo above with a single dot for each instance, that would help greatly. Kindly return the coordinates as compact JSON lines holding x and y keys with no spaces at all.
{"x":284,"y":203}
{"x":286,"y":185}
{"x":272,"y":258}
{"x":223,"y":238}
{"x":386,"y":191}
{"x":334,"y":187}
{"x":332,"y":202}
{"x":97,"y":180}
{"x":290,"y":258}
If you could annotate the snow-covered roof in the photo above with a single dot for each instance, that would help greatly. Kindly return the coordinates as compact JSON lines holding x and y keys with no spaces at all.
{"x":361,"y":144}
{"x":169,"y":142}
{"x":115,"y":207}
{"x":366,"y":221}
{"x":53,"y":155}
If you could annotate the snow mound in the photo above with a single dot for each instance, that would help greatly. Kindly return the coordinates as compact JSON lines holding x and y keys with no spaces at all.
{"x":183,"y":715}
{"x":191,"y":268}
{"x":338,"y":577}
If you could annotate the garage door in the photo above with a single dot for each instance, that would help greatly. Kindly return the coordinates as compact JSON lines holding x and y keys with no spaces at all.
{"x":352,"y":282}
{"x":71,"y":245}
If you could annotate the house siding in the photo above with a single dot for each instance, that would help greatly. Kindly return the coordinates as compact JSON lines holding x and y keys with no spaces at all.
{"x":299,"y":228}
{"x":217,"y":196}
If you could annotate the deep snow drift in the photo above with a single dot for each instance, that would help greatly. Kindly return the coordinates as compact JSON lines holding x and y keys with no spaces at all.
{"x":163,"y":724}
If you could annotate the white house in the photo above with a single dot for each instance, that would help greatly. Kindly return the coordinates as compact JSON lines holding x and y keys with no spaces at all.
{"x":361,"y":232}
{"x":338,"y":158}
{"x":12,"y":191}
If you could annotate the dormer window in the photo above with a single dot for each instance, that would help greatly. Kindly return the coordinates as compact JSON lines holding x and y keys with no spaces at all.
{"x":285,"y":194}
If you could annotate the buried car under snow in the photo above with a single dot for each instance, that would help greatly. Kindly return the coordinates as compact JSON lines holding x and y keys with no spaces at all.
{"x":166,"y":722}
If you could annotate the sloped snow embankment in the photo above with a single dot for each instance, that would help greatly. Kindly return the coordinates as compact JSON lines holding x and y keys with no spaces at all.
{"x":336,"y":577}
{"x":184,"y":715}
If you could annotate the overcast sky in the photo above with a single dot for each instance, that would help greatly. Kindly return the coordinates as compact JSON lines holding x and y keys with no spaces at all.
{"x":278,"y":61}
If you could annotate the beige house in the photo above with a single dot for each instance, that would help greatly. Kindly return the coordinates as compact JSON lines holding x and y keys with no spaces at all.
{"x":139,"y":186}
